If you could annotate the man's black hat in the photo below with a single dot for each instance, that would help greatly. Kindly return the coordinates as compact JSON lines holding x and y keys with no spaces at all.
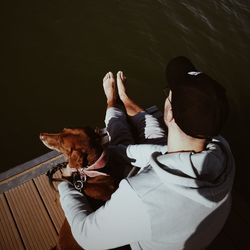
{"x":199,"y":103}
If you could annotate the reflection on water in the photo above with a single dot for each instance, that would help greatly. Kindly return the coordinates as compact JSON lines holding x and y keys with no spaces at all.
{"x":56,"y":52}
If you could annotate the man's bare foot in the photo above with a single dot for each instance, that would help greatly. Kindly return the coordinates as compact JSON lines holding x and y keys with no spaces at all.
{"x":109,"y":89}
{"x":121,"y":79}
{"x":131,"y":107}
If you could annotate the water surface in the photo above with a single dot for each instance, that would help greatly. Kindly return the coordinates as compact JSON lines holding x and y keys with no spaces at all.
{"x":55,"y":54}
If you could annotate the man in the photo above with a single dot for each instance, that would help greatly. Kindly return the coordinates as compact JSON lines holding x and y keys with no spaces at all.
{"x":180,"y":198}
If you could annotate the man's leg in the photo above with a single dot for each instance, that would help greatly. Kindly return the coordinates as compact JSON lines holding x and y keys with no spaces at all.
{"x":131,"y":107}
{"x":115,"y":120}
{"x":148,"y":128}
{"x":118,"y":129}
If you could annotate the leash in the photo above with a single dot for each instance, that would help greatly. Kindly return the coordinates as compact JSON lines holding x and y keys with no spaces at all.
{"x":77,"y":179}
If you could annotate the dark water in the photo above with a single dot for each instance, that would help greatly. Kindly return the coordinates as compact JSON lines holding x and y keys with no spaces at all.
{"x":55,"y":54}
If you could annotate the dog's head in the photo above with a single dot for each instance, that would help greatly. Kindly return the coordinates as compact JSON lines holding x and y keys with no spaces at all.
{"x":80,"y":146}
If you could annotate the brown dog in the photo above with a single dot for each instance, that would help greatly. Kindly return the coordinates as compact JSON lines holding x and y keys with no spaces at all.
{"x":82,"y":147}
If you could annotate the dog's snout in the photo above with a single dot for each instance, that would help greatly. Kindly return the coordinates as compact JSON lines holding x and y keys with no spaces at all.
{"x":41,"y":136}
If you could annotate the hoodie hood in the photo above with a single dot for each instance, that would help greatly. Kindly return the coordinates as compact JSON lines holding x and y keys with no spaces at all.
{"x":205,"y":177}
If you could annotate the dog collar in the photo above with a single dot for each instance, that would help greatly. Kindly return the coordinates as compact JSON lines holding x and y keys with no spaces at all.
{"x":100,"y":163}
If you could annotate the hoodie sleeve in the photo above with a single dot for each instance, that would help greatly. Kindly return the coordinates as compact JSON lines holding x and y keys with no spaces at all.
{"x":121,"y":221}
{"x":141,"y":153}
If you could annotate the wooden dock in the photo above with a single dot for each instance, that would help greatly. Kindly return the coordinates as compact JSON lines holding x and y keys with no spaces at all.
{"x":31,"y":216}
{"x":30,"y":213}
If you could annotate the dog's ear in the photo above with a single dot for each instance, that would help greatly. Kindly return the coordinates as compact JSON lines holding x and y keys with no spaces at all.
{"x":76,"y":159}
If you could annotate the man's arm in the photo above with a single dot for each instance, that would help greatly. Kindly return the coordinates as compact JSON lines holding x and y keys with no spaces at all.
{"x":141,"y":154}
{"x":121,"y":221}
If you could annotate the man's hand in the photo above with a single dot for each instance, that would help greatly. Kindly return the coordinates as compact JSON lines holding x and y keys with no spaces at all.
{"x":67,"y":172}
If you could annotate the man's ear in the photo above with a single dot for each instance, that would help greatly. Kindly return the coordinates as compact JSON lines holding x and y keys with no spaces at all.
{"x":168,"y":112}
{"x":76,"y":159}
{"x":170,"y":116}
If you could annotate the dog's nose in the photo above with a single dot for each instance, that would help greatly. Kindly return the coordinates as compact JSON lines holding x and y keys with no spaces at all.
{"x":41,"y":136}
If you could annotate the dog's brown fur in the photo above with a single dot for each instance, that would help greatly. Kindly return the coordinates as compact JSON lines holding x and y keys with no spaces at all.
{"x":81,"y":147}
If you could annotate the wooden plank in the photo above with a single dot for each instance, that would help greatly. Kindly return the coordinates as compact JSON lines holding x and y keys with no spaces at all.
{"x":237,"y":230}
{"x":51,"y":200}
{"x":222,"y":241}
{"x":9,"y":235}
{"x":27,"y":165}
{"x":241,"y":207}
{"x":32,"y":219}
{"x":18,"y":179}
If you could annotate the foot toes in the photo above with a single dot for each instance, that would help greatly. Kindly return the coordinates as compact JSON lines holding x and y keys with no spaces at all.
{"x":106,"y":77}
{"x":111,"y":75}
{"x":121,"y":75}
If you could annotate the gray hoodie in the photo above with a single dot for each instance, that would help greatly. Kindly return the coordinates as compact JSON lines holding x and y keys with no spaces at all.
{"x":176,"y":201}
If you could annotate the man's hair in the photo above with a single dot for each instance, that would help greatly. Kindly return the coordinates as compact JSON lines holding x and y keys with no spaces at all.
{"x":199,"y":103}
